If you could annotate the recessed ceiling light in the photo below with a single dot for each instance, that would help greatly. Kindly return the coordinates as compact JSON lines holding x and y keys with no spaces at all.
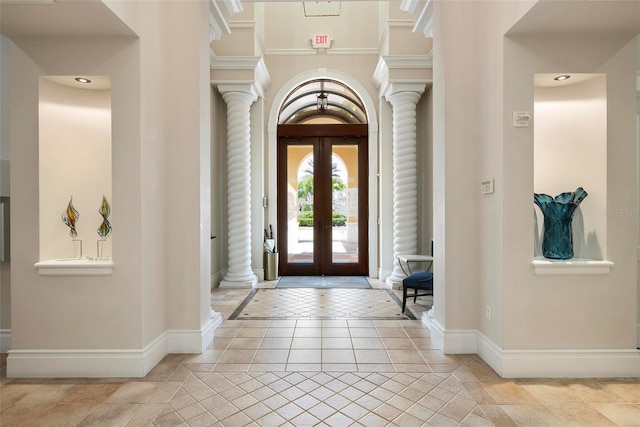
{"x":562,"y":77}
{"x":82,"y":80}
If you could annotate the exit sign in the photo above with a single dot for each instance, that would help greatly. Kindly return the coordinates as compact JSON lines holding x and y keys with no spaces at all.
{"x":321,"y":41}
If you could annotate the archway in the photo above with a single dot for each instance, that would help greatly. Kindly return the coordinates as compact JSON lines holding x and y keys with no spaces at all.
{"x":371,"y":142}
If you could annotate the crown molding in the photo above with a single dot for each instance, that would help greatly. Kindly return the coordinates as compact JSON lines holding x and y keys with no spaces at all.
{"x":398,"y":23}
{"x":233,"y":6}
{"x":332,"y":51}
{"x":424,"y":23}
{"x":242,"y":25}
{"x":217,"y":22}
{"x":410,"y":5}
{"x":354,"y":51}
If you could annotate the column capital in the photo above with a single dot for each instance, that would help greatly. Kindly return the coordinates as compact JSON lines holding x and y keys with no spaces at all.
{"x":244,"y":88}
{"x":235,"y":72}
{"x":394,"y":90}
{"x":403,"y":73}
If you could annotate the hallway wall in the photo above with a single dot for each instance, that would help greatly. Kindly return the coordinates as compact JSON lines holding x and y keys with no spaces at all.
{"x":158,"y":298}
{"x":610,"y":299}
{"x":46,"y":310}
{"x":521,"y":323}
{"x":5,"y":165}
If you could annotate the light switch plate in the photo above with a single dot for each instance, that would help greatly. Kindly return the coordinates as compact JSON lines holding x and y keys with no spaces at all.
{"x":521,"y":119}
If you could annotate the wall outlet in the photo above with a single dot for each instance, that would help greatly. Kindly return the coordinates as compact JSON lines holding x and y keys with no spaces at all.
{"x":488,"y":313}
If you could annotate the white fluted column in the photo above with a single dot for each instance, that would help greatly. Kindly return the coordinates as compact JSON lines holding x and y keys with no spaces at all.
{"x":405,"y":229}
{"x":239,"y":272}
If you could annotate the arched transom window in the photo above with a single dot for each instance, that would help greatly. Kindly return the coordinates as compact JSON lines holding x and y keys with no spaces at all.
{"x":322,"y":101}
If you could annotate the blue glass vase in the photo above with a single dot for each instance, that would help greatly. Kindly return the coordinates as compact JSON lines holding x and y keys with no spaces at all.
{"x":557,"y":235}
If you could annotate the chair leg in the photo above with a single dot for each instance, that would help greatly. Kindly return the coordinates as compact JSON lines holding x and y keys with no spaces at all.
{"x":415,"y":295}
{"x":404,"y":297}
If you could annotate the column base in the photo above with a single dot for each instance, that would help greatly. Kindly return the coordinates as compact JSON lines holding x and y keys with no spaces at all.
{"x":393,"y":283}
{"x":244,"y":284}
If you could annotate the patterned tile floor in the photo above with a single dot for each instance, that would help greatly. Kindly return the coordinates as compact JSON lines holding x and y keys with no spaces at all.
{"x":321,"y":304}
{"x":318,"y":372}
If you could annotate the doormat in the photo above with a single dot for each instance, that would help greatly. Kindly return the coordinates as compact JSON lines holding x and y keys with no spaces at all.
{"x":311,"y":303}
{"x":323,"y":282}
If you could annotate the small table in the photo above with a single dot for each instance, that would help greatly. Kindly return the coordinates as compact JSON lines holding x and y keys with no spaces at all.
{"x":406,"y":259}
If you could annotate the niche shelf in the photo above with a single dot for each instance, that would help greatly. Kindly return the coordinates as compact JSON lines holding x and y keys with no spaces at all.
{"x":75,"y":267}
{"x":571,"y":267}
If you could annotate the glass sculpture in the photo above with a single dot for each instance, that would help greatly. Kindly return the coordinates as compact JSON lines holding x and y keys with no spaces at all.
{"x":105,"y":228}
{"x":557,"y":234}
{"x":105,"y":211}
{"x":69,"y":217}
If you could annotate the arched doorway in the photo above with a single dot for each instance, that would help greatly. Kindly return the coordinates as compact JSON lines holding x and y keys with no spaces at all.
{"x":322,"y":181}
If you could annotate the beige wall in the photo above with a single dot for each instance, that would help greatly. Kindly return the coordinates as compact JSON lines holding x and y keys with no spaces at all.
{"x":5,"y":267}
{"x":161,"y":187}
{"x":78,"y":312}
{"x":545,"y":312}
{"x":638,"y":177}
{"x":290,"y":15}
{"x":176,"y":142}
{"x":492,"y":235}
{"x":218,"y":186}
{"x":467,"y":118}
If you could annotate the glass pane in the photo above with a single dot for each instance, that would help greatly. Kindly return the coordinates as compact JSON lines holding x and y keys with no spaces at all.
{"x":300,"y":203}
{"x":344,"y":196}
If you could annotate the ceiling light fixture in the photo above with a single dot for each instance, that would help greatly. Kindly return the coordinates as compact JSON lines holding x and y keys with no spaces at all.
{"x":562,"y":77}
{"x":82,"y":80}
{"x":322,"y":101}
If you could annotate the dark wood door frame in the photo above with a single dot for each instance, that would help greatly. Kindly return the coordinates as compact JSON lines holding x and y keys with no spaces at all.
{"x":336,"y":135}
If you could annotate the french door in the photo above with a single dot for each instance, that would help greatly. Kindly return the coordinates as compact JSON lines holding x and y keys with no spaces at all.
{"x":322,"y":200}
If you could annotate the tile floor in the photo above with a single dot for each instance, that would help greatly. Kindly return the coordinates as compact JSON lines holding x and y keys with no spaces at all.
{"x":318,"y":372}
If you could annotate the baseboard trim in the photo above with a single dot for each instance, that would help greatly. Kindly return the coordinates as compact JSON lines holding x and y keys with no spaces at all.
{"x":383,"y":274}
{"x":82,"y":363}
{"x":5,"y":340}
{"x":193,"y":341}
{"x":216,"y":279}
{"x":460,"y":341}
{"x":101,"y":363}
{"x":555,"y":363}
{"x":594,"y":363}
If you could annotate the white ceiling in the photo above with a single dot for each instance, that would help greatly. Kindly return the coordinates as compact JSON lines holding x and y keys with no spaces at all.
{"x":63,"y":18}
{"x":92,"y":18}
{"x":97,"y":82}
{"x":547,"y":79}
{"x":603,"y":17}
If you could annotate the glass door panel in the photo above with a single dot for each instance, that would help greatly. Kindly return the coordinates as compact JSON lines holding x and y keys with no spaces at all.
{"x":300,"y":212}
{"x":344,"y":199}
{"x":322,"y":201}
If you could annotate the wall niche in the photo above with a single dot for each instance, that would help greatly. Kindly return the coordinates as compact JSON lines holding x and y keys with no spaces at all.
{"x":74,"y":161}
{"x":570,"y":151}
